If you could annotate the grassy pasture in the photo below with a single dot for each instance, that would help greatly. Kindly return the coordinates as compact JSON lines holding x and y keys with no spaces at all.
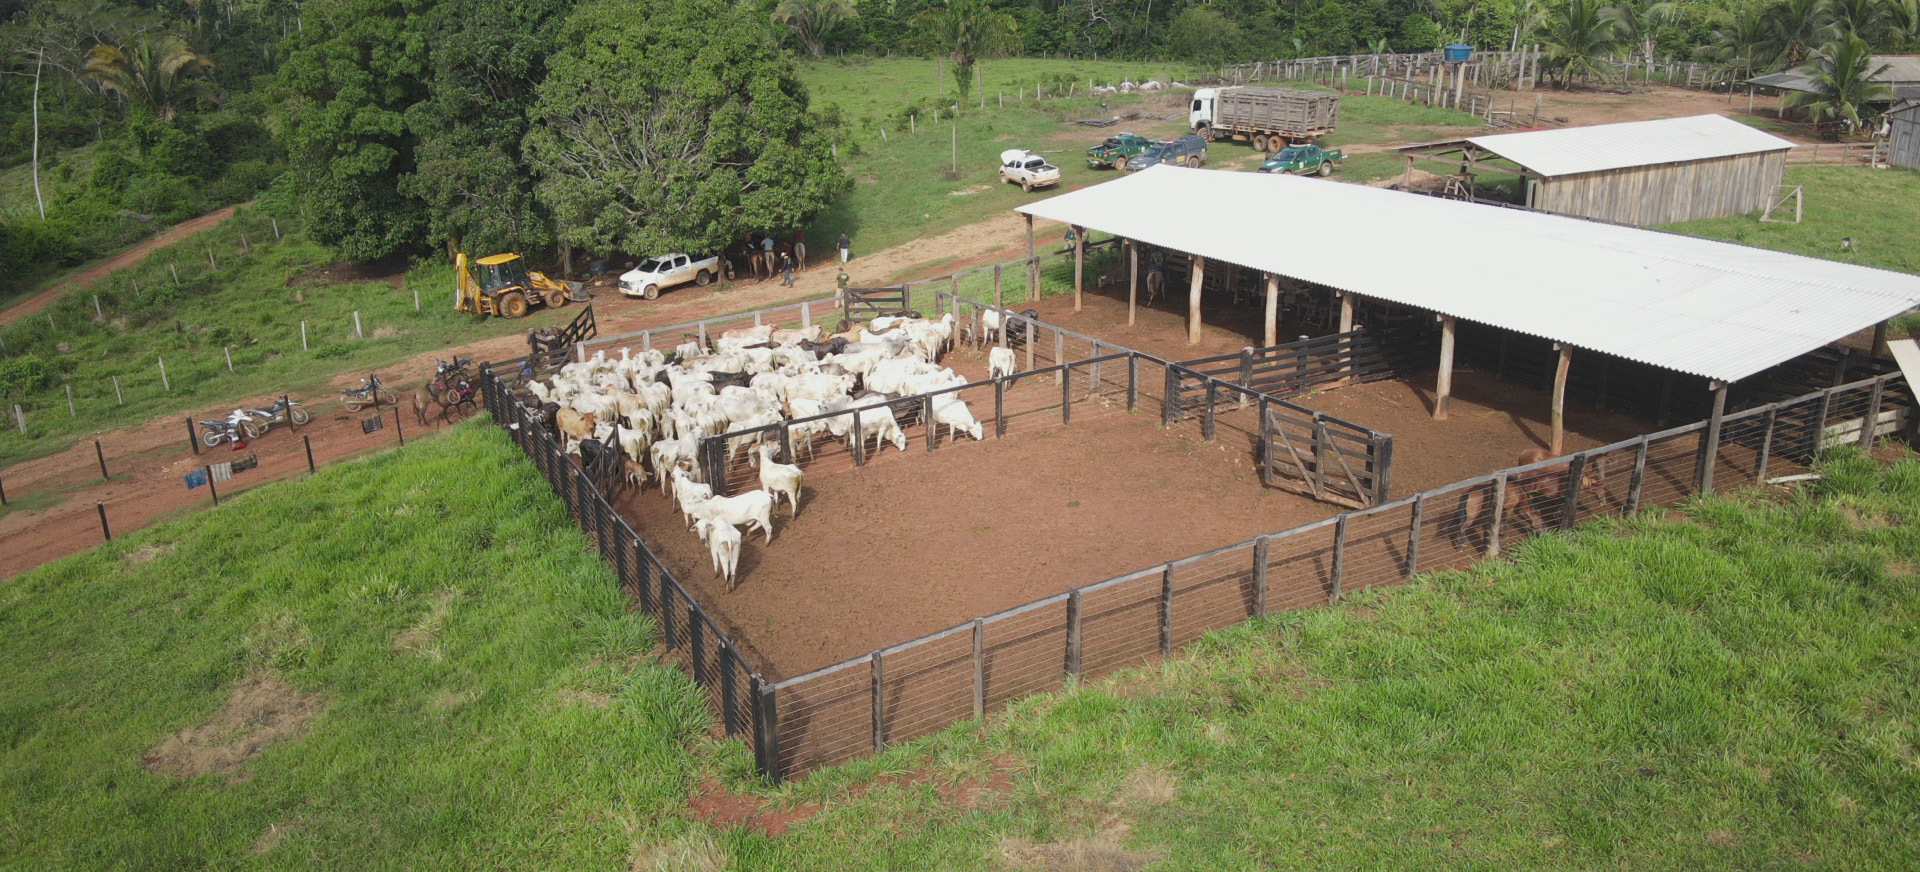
{"x":1878,"y":208}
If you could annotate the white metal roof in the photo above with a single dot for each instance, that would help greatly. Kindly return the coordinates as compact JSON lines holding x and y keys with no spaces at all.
{"x":1712,"y":309}
{"x":1629,"y":144}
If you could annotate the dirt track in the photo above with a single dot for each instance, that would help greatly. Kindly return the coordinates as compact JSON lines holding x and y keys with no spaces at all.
{"x":85,"y":278}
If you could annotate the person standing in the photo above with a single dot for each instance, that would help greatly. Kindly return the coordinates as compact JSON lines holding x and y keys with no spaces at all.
{"x":766,"y":253}
{"x":786,"y":266}
{"x":846,"y":245}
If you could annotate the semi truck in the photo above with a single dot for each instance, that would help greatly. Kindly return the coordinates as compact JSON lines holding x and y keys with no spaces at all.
{"x":1269,"y":118}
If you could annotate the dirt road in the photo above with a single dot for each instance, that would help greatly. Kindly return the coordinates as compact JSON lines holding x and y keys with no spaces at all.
{"x":114,"y":264}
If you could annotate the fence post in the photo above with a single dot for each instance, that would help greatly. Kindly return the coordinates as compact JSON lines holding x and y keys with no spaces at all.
{"x":303,"y":336}
{"x":1170,"y":397}
{"x":979,"y":668}
{"x":1261,"y":548}
{"x":164,"y":384}
{"x":879,"y":683}
{"x":357,"y":334}
{"x":1066,"y":397}
{"x":1339,"y":569}
{"x":1819,"y":423}
{"x":1499,"y":514}
{"x":1059,"y":356}
{"x":193,"y":436}
{"x":228,"y":351}
{"x":999,"y":406}
{"x":1413,"y":535}
{"x":100,"y":454}
{"x":1030,"y":337}
{"x":1869,"y":429}
{"x":1322,"y":446}
{"x":926,"y":421}
{"x":396,"y":427}
{"x":696,"y":632}
{"x":1206,"y":423}
{"x":1570,"y":508}
{"x":1133,"y":381}
{"x":1382,"y":467}
{"x":766,"y":729}
{"x":1766,"y":445}
{"x":3,"y":491}
{"x":208,"y":469}
{"x":859,"y":442}
{"x":728,"y":716}
{"x":308,"y":441}
{"x":1073,"y":634}
{"x":1166,"y":609}
{"x":1710,"y":446}
{"x":106,"y":533}
{"x":119,"y":398}
{"x":641,"y":577}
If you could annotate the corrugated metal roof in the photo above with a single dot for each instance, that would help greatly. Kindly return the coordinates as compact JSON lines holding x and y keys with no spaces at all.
{"x":1902,"y":73}
{"x":1708,"y":308}
{"x":1629,"y":144}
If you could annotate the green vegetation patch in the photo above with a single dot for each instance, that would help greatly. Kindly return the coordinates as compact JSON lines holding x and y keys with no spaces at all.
{"x":397,"y":663}
{"x":1878,"y":209}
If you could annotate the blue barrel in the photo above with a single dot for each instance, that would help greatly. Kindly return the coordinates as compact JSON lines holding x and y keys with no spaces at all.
{"x":1459,"y":53}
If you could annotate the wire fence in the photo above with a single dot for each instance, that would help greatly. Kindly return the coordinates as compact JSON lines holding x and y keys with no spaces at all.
{"x":867,"y":703}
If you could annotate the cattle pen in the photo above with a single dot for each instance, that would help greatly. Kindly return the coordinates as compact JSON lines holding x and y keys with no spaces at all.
{"x":798,"y":721}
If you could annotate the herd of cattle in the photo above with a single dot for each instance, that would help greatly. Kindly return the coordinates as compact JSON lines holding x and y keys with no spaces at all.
{"x":645,"y":416}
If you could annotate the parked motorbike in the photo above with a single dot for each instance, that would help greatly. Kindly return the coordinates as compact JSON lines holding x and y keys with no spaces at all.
{"x":371,"y":392}
{"x":283,"y":410}
{"x":451,"y":385}
{"x":238,"y":426}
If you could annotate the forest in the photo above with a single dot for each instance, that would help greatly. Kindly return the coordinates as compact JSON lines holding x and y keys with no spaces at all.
{"x":404,"y":127}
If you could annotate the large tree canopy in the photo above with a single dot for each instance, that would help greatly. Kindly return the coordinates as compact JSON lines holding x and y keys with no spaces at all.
{"x":675,"y":127}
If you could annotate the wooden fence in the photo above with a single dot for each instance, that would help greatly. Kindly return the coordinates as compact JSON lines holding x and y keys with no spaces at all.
{"x":1839,"y":154}
{"x":868,"y":703}
{"x":1294,"y":368}
{"x":1484,"y":69}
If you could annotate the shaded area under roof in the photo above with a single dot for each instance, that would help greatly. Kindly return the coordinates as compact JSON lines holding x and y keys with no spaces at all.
{"x":1697,"y":306}
{"x":1576,"y":150}
{"x":1902,"y":73}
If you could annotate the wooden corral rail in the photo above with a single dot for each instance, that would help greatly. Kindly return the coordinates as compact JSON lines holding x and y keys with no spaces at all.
{"x":1491,"y":69}
{"x":1838,"y":154}
{"x":905,"y":691}
{"x":1294,"y":368}
{"x":858,"y":303}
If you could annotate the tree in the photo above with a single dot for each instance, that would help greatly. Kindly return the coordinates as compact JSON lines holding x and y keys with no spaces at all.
{"x":1639,"y":23}
{"x":343,"y":96}
{"x":676,"y":128}
{"x":1580,"y":40}
{"x":966,"y":31}
{"x":812,"y":21}
{"x":156,"y":72}
{"x":1843,"y":74}
{"x":1204,"y":36}
{"x":1795,"y":28}
{"x":50,"y":37}
{"x":1867,"y":19}
{"x":1739,"y":44}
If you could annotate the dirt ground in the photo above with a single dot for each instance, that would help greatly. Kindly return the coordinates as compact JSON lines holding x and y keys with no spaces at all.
{"x":85,"y":278}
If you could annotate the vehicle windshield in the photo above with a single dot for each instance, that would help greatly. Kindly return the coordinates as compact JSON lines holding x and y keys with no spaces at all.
{"x":1036,"y":164}
{"x":1112,"y":142}
{"x":1291,"y":154}
{"x":652,"y":264}
{"x":1158,"y":151}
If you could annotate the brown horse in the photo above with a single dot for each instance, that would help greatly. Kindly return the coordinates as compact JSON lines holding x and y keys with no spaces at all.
{"x":1537,"y":498}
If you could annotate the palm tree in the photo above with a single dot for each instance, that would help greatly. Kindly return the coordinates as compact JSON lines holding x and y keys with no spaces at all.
{"x":1843,"y":74}
{"x":1796,"y":28}
{"x":1639,"y":21}
{"x":1580,"y":41}
{"x":1903,"y":25}
{"x":1739,"y":44}
{"x":812,"y":20}
{"x":156,"y":72}
{"x":965,"y":31}
{"x":1867,"y":19}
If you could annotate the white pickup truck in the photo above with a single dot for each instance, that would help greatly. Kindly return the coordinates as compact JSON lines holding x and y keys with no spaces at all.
{"x":668,"y":270}
{"x":1030,"y":170}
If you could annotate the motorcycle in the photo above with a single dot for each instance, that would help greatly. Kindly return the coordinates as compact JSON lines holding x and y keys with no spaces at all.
{"x":284,"y":409}
{"x":452,"y":385}
{"x":238,"y":426}
{"x":371,"y":392}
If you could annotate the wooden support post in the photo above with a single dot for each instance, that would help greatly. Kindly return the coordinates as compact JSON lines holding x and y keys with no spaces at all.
{"x":1870,"y":427}
{"x":1556,"y":443}
{"x":100,"y":454}
{"x":1073,"y":664}
{"x":1766,"y":446}
{"x":211,"y":489}
{"x":1880,"y":339}
{"x":1133,"y":281}
{"x":1413,"y":535}
{"x":766,"y":730}
{"x":106,"y":532}
{"x":1570,"y":509}
{"x":1166,"y":610}
{"x":1270,"y":326}
{"x":1443,"y":388}
{"x":1030,"y":337}
{"x":1339,"y":569}
{"x":1193,"y":299}
{"x":1498,"y":516}
{"x":997,"y":302}
{"x":1079,"y":264}
{"x":1710,"y":449}
{"x":1029,"y":238}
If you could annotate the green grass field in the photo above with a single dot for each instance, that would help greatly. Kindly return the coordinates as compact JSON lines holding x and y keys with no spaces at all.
{"x":1878,"y":208}
{"x":253,"y":304}
{"x":863,"y":88}
{"x":1736,"y":689}
{"x":479,"y":694}
{"x":68,"y":170}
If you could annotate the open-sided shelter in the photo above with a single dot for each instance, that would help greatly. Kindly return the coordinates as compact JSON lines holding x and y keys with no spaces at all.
{"x":1712,"y":309}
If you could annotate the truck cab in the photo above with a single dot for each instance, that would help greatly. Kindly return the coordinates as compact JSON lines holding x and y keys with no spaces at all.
{"x":1200,"y":116}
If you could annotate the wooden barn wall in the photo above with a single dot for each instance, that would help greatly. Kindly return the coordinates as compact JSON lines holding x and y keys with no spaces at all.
{"x":1904,"y":139}
{"x":1668,"y":193}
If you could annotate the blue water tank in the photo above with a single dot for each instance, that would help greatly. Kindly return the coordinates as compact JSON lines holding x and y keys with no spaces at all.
{"x":1459,"y":53}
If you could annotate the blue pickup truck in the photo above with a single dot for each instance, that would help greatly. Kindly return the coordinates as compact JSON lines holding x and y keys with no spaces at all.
{"x":1187,"y":151}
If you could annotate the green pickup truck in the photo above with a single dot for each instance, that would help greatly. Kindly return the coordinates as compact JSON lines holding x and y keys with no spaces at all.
{"x":1117,"y":151}
{"x":1303,"y":159}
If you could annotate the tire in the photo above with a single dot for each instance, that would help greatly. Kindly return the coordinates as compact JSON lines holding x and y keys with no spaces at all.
{"x":1205,"y":132}
{"x":252,"y":430}
{"x":1193,"y":161}
{"x":1326,"y":168}
{"x":651,"y":292}
{"x":300,"y":417}
{"x":702,"y":278}
{"x":1259,"y":142}
{"x":557,"y":299}
{"x":1120,"y":164}
{"x":1026,"y":185}
{"x":212,"y":438}
{"x":385,"y":396}
{"x":352,"y":402}
{"x":513,"y":305}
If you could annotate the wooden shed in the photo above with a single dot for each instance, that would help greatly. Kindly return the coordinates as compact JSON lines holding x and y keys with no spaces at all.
{"x":1903,"y":135}
{"x":1638,"y":172}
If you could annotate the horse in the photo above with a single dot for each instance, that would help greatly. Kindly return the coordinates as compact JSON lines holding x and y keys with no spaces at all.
{"x":1537,"y":498}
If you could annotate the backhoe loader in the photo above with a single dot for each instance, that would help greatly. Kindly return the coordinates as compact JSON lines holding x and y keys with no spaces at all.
{"x":500,"y":284}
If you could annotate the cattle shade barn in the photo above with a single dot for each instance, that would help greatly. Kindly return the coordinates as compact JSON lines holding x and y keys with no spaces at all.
{"x":1899,"y":73}
{"x":1638,"y":172}
{"x":1712,"y":309}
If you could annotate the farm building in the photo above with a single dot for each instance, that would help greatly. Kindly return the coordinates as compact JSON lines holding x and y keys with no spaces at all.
{"x":1903,"y":135}
{"x":1638,"y":172}
{"x":1901,"y":73}
{"x":1615,"y":296}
